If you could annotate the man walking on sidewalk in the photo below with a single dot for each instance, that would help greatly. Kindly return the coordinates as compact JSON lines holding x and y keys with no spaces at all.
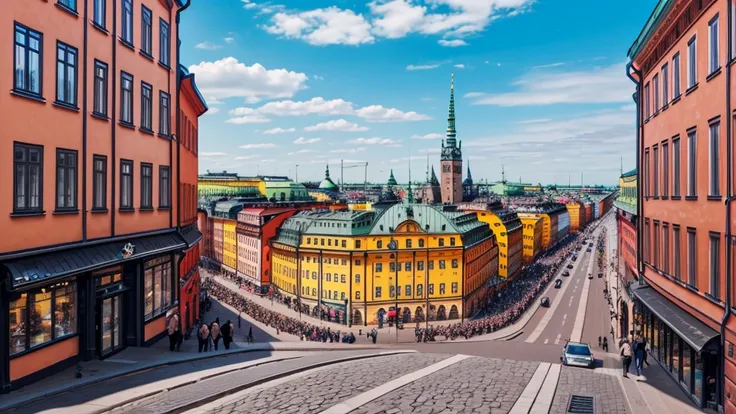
{"x":626,"y":357}
{"x":173,"y":331}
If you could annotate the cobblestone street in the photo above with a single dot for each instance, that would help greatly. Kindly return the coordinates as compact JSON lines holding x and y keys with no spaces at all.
{"x":609,"y":398}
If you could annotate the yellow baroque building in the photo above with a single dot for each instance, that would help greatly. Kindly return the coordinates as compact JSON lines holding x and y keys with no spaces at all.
{"x":507,"y":228}
{"x":435,"y":264}
{"x":533,"y":228}
{"x":229,"y":245}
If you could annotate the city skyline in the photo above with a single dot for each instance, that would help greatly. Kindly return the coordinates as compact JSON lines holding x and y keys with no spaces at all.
{"x":283,"y":85}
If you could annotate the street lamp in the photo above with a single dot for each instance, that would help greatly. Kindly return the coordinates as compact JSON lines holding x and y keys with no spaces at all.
{"x":393,"y":245}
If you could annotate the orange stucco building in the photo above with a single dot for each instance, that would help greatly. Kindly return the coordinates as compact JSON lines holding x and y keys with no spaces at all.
{"x":90,"y":157}
{"x":680,"y":64}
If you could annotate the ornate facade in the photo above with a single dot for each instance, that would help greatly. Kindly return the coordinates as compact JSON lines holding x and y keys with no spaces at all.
{"x":452,"y":158}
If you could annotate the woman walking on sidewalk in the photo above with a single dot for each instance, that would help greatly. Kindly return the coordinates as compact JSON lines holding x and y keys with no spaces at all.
{"x":626,"y":357}
{"x":215,"y":333}
{"x":204,"y":337}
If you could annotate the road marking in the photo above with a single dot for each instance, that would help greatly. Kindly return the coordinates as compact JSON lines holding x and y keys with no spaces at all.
{"x":544,"y":399}
{"x":361,"y":399}
{"x":563,"y":323}
{"x":546,"y":341}
{"x":526,"y":400}
{"x":557,"y":341}
{"x":564,"y":316}
{"x":577,"y":328}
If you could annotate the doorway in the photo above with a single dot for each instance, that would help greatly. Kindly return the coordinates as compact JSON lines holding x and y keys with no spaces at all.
{"x":109,"y":325}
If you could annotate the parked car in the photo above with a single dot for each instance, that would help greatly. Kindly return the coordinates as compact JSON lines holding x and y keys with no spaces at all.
{"x":600,"y":275}
{"x":558,"y":283}
{"x":570,"y":266}
{"x":545,"y":302}
{"x":577,"y":354}
{"x":590,"y":275}
{"x":566,"y":273}
{"x":588,"y":250}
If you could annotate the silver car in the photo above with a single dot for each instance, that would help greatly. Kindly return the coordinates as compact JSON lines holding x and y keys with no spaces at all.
{"x":577,"y":355}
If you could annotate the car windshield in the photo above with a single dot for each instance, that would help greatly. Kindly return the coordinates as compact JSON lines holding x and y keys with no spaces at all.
{"x":578,"y":350}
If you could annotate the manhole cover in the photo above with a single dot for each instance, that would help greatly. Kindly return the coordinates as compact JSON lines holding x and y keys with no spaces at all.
{"x":581,"y":404}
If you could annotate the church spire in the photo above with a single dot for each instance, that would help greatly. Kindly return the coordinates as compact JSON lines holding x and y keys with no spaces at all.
{"x":451,"y":133}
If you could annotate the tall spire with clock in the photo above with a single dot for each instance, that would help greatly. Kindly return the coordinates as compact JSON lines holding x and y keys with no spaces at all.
{"x":452,"y":157}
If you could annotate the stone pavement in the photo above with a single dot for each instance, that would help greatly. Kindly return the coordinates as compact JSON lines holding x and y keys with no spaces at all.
{"x":605,"y":389}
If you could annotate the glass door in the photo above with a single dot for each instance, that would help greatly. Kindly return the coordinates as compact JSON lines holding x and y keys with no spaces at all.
{"x":110,"y":325}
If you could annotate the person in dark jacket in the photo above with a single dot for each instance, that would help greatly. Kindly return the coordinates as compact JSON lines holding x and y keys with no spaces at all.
{"x":227,"y":334}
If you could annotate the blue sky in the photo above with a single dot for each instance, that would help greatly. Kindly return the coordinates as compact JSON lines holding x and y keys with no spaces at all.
{"x":540,"y":85}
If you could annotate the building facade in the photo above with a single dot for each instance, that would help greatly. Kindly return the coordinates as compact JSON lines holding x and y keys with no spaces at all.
{"x":680,"y":64}
{"x":359,"y":267}
{"x":94,"y":203}
{"x":577,"y":216}
{"x":533,"y":228}
{"x":626,"y":222}
{"x":451,"y":158}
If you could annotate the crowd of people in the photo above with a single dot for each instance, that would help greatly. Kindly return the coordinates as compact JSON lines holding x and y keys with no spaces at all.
{"x":282,"y":323}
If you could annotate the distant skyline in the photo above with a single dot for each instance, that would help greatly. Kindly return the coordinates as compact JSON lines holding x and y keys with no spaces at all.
{"x":540,"y":86}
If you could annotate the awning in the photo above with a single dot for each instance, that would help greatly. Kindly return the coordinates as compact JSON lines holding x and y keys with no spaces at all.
{"x":41,"y":268}
{"x":689,"y":328}
{"x":191,"y":235}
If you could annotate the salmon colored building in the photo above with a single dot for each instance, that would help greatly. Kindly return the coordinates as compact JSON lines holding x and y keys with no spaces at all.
{"x":681,"y":65}
{"x":90,"y":156}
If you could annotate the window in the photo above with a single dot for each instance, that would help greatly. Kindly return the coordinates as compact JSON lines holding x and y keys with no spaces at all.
{"x":343,"y":244}
{"x":666,"y":248}
{"x":421,"y":242}
{"x":146,"y":185}
{"x":715,"y":265}
{"x":692,"y":63}
{"x":452,"y":241}
{"x":408,"y":243}
{"x":442,"y":289}
{"x":126,"y":31}
{"x":126,"y":98}
{"x":655,"y":260}
{"x":357,"y":244}
{"x":420,"y":290}
{"x":692,"y":164}
{"x":66,"y":179}
{"x":100,"y":89}
{"x":146,"y":107}
{"x":43,"y":315}
{"x":27,"y":178}
{"x":357,"y":278}
{"x":146,"y":31}
{"x":713,"y":61}
{"x":357,"y":295}
{"x":126,"y":184}
{"x":158,"y":286}
{"x":692,"y":257}
{"x":430,"y":289}
{"x":164,"y":117}
{"x":655,"y":85}
{"x":454,"y":264}
{"x":665,"y":84}
{"x":68,"y":4}
{"x":379,"y":267}
{"x":647,"y":173}
{"x":715,"y":160}
{"x":99,"y":13}
{"x":647,"y":242}
{"x":379,"y":244}
{"x":430,"y":264}
{"x":407,"y":290}
{"x":378,"y":291}
{"x":420,"y":265}
{"x":27,"y":61}
{"x":665,"y":169}
{"x":647,"y":99}
{"x":676,"y":251}
{"x":655,"y":170}
{"x":407,"y":267}
{"x":66,"y":74}
{"x":442,"y":264}
{"x":676,"y":162}
{"x":392,"y":267}
{"x":676,"y":76}
{"x":99,"y":182}
{"x":454,"y":287}
{"x":164,"y":187}
{"x":164,"y":42}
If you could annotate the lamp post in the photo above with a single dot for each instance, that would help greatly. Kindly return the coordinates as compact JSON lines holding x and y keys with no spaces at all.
{"x":394,"y":246}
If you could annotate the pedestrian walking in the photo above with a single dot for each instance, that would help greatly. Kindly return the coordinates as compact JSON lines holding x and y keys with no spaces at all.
{"x":173,"y":331}
{"x":227,"y":334}
{"x":626,"y":355}
{"x":640,"y":351}
{"x":605,"y":344}
{"x":215,"y":333}
{"x":204,"y":337}
{"x":250,"y":335}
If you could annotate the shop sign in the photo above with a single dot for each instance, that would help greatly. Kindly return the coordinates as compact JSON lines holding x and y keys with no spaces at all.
{"x":128,"y":250}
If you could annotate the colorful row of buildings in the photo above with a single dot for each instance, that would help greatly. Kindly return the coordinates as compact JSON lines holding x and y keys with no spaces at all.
{"x":100,"y":201}
{"x":676,"y":228}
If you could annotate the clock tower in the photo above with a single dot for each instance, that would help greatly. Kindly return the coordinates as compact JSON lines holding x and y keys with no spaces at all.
{"x":452,"y":158}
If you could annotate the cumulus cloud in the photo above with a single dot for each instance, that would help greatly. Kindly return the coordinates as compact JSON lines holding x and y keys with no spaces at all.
{"x":378,"y":113}
{"x":460,"y":66}
{"x":337,"y":125}
{"x":320,"y":27}
{"x":302,"y":151}
{"x":452,"y":43}
{"x":260,"y":145}
{"x":275,"y":131}
{"x":302,"y":140}
{"x":422,"y":67}
{"x":246,"y":157}
{"x":229,"y":39}
{"x":432,"y":135}
{"x":212,"y":154}
{"x":227,"y":78}
{"x":599,"y":85}
{"x":347,"y":150}
{"x":207,"y":46}
{"x":374,"y":141}
{"x":246,"y":116}
{"x":212,"y":111}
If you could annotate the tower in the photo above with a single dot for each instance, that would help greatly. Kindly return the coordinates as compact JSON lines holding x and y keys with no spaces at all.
{"x":452,"y":157}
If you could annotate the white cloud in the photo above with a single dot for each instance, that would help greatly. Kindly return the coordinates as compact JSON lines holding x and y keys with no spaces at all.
{"x":631,"y":107}
{"x":422,"y":67}
{"x":207,"y":46}
{"x":533,"y":121}
{"x":405,"y":159}
{"x":302,"y":140}
{"x":261,"y":145}
{"x":212,"y":154}
{"x":378,"y":113}
{"x":275,"y":131}
{"x":268,"y":160}
{"x":302,"y":151}
{"x":600,"y":85}
{"x":246,"y":116}
{"x":229,"y":39}
{"x":374,"y":141}
{"x":460,"y":66}
{"x":213,"y":101}
{"x":317,"y":77}
{"x":337,"y":125}
{"x":348,"y":150}
{"x":432,"y":135}
{"x":228,"y":78}
{"x":248,"y":4}
{"x":397,"y":18}
{"x":246,"y":157}
{"x":328,"y":26}
{"x":212,"y":111}
{"x":452,"y":43}
{"x":549,"y":65}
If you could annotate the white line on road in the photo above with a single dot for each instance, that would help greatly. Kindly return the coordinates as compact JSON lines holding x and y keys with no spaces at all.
{"x":547,"y":393}
{"x":361,"y":399}
{"x":557,"y":340}
{"x":577,"y":328}
{"x":564,"y":316}
{"x":546,"y":341}
{"x":526,"y":400}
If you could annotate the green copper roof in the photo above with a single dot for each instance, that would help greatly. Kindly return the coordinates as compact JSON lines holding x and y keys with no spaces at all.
{"x":391,"y":180}
{"x":327,"y":183}
{"x":631,"y":173}
{"x":660,"y":10}
{"x":431,"y":219}
{"x":451,"y":133}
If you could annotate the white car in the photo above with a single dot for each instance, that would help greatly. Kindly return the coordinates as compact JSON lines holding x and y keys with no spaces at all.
{"x":577,"y":355}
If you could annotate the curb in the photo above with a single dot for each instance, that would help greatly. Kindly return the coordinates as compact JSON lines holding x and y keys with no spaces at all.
{"x":219,"y":395}
{"x":35,"y":399}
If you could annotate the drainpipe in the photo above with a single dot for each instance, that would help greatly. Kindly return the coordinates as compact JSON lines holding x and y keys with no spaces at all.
{"x":178,"y":121}
{"x":639,"y":146}
{"x":727,"y":309}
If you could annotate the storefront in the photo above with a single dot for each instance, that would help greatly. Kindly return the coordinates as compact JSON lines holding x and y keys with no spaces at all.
{"x":685,"y":347}
{"x":84,"y":303}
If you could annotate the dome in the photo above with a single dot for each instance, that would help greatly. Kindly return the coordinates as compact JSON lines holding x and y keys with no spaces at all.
{"x":327,"y":183}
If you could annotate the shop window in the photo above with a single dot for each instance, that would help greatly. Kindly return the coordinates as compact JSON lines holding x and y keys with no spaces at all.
{"x":157,"y":286}
{"x":41,"y":316}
